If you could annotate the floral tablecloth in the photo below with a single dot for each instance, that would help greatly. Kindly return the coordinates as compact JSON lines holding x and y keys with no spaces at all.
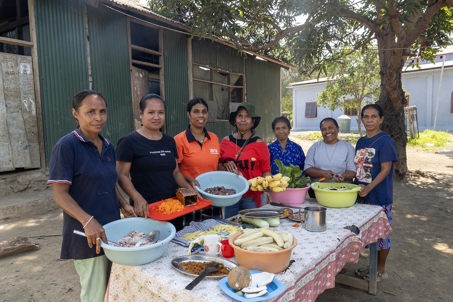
{"x":318,"y":258}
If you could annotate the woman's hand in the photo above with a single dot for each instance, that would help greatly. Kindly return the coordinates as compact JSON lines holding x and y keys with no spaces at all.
{"x":193,"y":182}
{"x":230,"y":166}
{"x":364,"y":190}
{"x":328,"y":175}
{"x":140,"y":206}
{"x":128,"y":210}
{"x":95,"y":233}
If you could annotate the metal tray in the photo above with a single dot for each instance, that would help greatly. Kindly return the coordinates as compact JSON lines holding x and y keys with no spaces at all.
{"x":260,"y":213}
{"x":200,"y":258}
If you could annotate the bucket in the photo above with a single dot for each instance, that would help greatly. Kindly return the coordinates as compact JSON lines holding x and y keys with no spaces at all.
{"x":290,"y":197}
{"x":315,"y":219}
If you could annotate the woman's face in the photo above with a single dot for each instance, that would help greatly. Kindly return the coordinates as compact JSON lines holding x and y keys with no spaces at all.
{"x":329,"y":132}
{"x":153,"y":116}
{"x":198,"y":116}
{"x":281,"y":131}
{"x":91,"y":115}
{"x":244,"y":121}
{"x":371,"y":120}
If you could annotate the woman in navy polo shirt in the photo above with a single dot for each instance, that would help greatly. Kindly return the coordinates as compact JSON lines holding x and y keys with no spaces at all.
{"x":146,"y":160}
{"x":83,"y":177}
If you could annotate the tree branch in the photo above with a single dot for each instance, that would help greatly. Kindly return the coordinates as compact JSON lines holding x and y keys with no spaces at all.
{"x":424,"y":20}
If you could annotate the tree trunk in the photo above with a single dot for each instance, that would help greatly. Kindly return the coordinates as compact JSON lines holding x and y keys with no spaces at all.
{"x":392,"y":98}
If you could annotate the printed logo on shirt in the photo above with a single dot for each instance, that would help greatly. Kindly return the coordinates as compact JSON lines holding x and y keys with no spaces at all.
{"x":214,"y":151}
{"x":362,"y":161}
{"x":160,"y":152}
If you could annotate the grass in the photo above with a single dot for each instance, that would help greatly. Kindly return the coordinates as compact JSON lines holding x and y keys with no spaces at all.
{"x":427,"y":140}
{"x":430,"y":139}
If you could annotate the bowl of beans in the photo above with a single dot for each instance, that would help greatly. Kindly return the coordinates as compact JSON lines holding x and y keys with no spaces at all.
{"x":221,"y":187}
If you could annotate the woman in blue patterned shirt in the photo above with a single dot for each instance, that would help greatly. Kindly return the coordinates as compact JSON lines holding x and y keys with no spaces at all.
{"x":289,"y":152}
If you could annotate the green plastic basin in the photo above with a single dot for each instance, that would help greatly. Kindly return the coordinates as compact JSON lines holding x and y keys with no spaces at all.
{"x":335,"y":194}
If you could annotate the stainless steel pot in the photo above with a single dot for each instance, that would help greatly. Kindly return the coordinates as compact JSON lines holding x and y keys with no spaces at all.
{"x":315,"y":219}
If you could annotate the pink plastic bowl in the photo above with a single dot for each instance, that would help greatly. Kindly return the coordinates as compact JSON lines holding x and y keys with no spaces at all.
{"x":290,"y":197}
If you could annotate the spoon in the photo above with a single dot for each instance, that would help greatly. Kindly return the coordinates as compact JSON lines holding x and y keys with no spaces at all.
{"x":84,"y":235}
{"x":210,"y":268}
{"x":151,"y":237}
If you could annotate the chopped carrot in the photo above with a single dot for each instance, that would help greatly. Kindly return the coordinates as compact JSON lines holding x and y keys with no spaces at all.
{"x":170,"y":206}
{"x":296,"y":225}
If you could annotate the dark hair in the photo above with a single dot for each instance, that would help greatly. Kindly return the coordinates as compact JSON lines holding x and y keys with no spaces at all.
{"x":195,"y":101}
{"x":334,"y":121}
{"x":79,"y":97}
{"x":373,"y":106}
{"x":149,"y":96}
{"x":280,"y":119}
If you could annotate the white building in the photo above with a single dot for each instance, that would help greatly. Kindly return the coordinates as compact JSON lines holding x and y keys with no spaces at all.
{"x":430,"y":89}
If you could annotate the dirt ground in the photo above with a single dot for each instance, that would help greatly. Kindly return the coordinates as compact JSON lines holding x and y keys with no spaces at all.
{"x":419,"y":265}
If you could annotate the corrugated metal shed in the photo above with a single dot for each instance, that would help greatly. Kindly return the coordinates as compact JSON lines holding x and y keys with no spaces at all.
{"x":110,"y":68}
{"x":176,"y":84}
{"x":217,"y":55}
{"x":60,"y":26}
{"x":263,"y":90}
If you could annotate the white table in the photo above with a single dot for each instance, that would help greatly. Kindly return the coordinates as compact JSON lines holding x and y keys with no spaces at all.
{"x":318,"y":259}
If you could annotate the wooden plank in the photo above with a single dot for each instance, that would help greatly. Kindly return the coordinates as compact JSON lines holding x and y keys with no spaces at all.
{"x":14,"y":120}
{"x":16,"y":246}
{"x":351,"y":281}
{"x":28,"y":110}
{"x":18,"y":129}
{"x":139,"y":88}
{"x":6,"y":157}
{"x":17,"y":42}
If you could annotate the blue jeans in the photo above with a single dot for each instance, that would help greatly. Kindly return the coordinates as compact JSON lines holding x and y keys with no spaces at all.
{"x":244,"y":203}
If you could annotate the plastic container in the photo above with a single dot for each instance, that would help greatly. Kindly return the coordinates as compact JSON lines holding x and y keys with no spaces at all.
{"x":226,"y":179}
{"x":344,"y":122}
{"x":271,"y":262}
{"x":117,"y":229}
{"x":335,"y":194}
{"x":290,"y":197}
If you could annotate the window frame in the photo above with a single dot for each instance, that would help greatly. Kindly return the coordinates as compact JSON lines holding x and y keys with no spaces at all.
{"x":309,"y":109}
{"x":213,"y":85}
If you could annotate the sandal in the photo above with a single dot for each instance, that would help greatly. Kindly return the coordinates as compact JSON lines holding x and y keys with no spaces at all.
{"x":379,"y":277}
{"x":362,"y":272}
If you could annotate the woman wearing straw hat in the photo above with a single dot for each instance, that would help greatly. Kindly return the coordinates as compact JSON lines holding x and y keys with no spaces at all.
{"x":245,"y":153}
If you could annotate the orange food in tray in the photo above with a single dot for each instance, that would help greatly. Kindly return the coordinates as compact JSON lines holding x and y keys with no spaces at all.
{"x":170,"y":206}
{"x":173,"y":208}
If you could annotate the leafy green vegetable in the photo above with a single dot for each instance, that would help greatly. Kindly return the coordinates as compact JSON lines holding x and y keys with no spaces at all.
{"x":294,"y":173}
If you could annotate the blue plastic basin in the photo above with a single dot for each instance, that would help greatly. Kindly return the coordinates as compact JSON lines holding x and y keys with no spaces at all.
{"x":116,"y":230}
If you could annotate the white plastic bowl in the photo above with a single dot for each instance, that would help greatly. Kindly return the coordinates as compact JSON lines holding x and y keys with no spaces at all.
{"x":117,"y":229}
{"x":226,"y":179}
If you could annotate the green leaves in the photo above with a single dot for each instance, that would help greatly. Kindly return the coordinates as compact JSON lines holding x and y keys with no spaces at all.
{"x":294,"y":173}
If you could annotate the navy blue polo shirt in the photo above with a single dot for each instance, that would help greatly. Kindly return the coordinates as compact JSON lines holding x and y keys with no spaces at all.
{"x":92,"y":178}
